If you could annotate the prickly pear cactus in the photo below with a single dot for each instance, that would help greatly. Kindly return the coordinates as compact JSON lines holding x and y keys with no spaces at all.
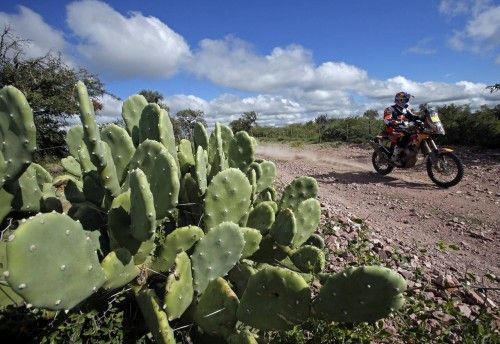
{"x":71,"y":271}
{"x":216,"y":253}
{"x":275,"y":299}
{"x":200,"y":223}
{"x":360,"y":294}
{"x":17,"y":134}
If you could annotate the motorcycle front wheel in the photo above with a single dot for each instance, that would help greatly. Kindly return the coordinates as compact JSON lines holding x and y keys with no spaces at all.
{"x":381,"y":163}
{"x":445,"y":170}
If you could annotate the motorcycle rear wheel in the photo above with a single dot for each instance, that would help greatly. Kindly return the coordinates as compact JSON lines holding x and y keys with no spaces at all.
{"x":381,"y":163}
{"x":445,"y":170}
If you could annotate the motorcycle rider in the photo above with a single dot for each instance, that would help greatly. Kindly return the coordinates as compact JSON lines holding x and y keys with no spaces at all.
{"x":394,"y":117}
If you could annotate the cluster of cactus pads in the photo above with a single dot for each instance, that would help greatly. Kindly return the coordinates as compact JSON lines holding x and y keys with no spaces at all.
{"x":194,"y":229}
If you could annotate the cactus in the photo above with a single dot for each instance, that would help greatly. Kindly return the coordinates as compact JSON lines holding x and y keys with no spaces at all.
{"x":142,"y":209}
{"x":284,"y":228}
{"x":127,"y":207}
{"x":131,"y":113}
{"x":185,"y":156}
{"x":275,"y":299}
{"x":308,"y":259}
{"x":216,"y":310}
{"x":179,"y":288}
{"x":216,"y":253}
{"x":298,"y":190}
{"x":119,"y":269}
{"x":5,"y":203}
{"x":100,"y":153}
{"x":161,"y":171}
{"x":252,"y":239}
{"x":363,"y":294}
{"x":181,"y":239}
{"x":227,"y":198}
{"x":307,"y":214}
{"x":200,"y":136}
{"x":71,"y":270}
{"x":200,"y":170}
{"x":155,"y":124}
{"x":315,"y":240}
{"x":241,"y":151}
{"x":267,"y":176}
{"x":28,"y":190}
{"x":261,"y":217}
{"x":155,"y":318}
{"x":120,"y":231}
{"x":17,"y":134}
{"x":121,"y":147}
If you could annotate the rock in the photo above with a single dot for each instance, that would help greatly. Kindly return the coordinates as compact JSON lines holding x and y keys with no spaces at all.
{"x":464,"y":310}
{"x":473,"y":298}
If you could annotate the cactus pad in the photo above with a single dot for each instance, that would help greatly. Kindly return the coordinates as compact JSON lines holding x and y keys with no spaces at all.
{"x":161,"y":171}
{"x":284,"y":228}
{"x":261,"y":217}
{"x":275,"y":299}
{"x":17,"y":134}
{"x":121,"y":146}
{"x":300,"y":189}
{"x":363,"y":294}
{"x":252,"y":239}
{"x":316,"y":240}
{"x":155,"y":318}
{"x":200,"y":170}
{"x":142,"y":209}
{"x":227,"y":198}
{"x":266,"y":179}
{"x":308,"y":215}
{"x":71,"y":271}
{"x":179,"y":288}
{"x":216,"y":253}
{"x":238,"y":276}
{"x":119,"y":269}
{"x":200,"y":136}
{"x":215,"y":312}
{"x":308,"y":259}
{"x":131,"y":113}
{"x":181,"y":239}
{"x":241,"y":151}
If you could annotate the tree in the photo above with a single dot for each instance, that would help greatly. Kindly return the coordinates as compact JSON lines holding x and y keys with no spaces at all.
{"x":371,"y":115}
{"x":246,"y":122}
{"x":48,"y":84}
{"x":321,"y":121}
{"x":186,"y":119}
{"x":494,"y":88}
{"x":154,"y":97}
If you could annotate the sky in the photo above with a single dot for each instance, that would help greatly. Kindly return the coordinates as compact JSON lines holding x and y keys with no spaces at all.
{"x":288,"y":60}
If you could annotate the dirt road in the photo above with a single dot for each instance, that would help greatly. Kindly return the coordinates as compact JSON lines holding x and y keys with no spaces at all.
{"x":457,"y":227}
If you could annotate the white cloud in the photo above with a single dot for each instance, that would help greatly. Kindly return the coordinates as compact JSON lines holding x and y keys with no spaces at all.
{"x":481,"y":34}
{"x":455,"y":8}
{"x":231,"y":62}
{"x":111,"y":109}
{"x":125,"y":46}
{"x":30,"y":26}
{"x":422,"y":47}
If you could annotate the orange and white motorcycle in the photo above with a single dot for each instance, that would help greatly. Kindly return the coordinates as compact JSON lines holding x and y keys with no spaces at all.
{"x":444,"y":168}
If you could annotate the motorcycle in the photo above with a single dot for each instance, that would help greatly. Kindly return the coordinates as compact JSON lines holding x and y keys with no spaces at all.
{"x":444,"y":168}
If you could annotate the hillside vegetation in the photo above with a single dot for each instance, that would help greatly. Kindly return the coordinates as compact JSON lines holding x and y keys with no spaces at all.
{"x":463,"y":127}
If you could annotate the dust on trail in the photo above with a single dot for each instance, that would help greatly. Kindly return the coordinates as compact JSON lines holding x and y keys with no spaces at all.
{"x":405,"y":205}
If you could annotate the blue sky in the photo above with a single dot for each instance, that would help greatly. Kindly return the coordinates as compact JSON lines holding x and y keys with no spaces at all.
{"x":287,"y":60}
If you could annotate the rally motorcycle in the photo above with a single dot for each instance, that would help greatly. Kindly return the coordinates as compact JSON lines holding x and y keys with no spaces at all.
{"x":444,"y":168}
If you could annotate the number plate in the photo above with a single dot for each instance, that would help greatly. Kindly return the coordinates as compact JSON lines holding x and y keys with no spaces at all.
{"x":435,"y":118}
